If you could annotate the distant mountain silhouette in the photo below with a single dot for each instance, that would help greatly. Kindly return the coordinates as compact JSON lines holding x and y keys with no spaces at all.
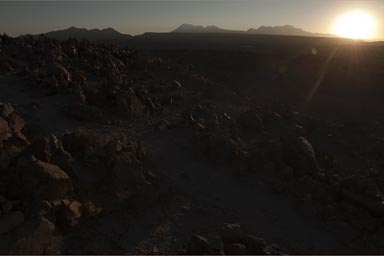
{"x":91,"y":34}
{"x":265,"y":30}
{"x":283,"y":30}
{"x":189,"y":28}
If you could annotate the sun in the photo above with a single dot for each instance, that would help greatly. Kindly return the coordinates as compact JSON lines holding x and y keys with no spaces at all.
{"x":355,"y":25}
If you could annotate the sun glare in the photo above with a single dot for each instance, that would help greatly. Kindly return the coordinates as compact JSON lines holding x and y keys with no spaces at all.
{"x":355,"y":25}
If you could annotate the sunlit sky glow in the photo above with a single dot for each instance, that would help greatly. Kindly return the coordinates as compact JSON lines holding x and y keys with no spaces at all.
{"x":137,"y":17}
{"x":356,"y":24}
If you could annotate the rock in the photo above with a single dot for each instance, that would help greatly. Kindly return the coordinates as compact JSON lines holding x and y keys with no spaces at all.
{"x":376,"y":208}
{"x":79,"y":76}
{"x":272,"y":250}
{"x":126,"y":176}
{"x":59,"y":71}
{"x":7,"y":110}
{"x":16,"y":123}
{"x":90,"y":210}
{"x":8,"y":155}
{"x":40,"y":148}
{"x":312,"y":186}
{"x":231,"y":233}
{"x":36,"y":237}
{"x":128,"y":103}
{"x":10,"y":221}
{"x":222,"y":147}
{"x":7,"y":207}
{"x":19,"y":140}
{"x":177,"y":84}
{"x":254,"y":245}
{"x":46,"y":208}
{"x":198,"y":245}
{"x":299,"y":154}
{"x":4,"y":130}
{"x":46,"y":181}
{"x":68,"y":215}
{"x":234,"y":249}
{"x":62,"y":158}
{"x":78,"y":142}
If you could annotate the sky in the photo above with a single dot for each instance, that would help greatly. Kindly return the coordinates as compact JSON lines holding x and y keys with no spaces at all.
{"x":137,"y":17}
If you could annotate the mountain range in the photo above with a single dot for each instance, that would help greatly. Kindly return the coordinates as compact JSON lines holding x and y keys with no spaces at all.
{"x":110,"y":34}
{"x":89,"y":34}
{"x":263,"y":30}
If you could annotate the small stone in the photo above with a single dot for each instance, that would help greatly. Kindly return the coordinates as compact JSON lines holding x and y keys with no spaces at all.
{"x":231,"y":233}
{"x":68,"y":216}
{"x":234,"y":249}
{"x":16,"y":123}
{"x":4,"y":129}
{"x":90,"y":210}
{"x":7,"y":207}
{"x":46,"y":208}
{"x":254,"y":245}
{"x":177,"y":84}
{"x":198,"y":245}
{"x":10,"y":221}
{"x":7,"y":110}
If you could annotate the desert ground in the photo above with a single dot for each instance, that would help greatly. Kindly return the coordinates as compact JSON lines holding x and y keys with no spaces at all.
{"x":191,"y":144}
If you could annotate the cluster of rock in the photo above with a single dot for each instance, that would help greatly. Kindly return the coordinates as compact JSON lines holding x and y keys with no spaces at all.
{"x":262,"y":138}
{"x":100,"y":77}
{"x":233,"y":241}
{"x":54,"y":181}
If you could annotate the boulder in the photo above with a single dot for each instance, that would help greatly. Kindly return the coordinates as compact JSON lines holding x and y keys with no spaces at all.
{"x":299,"y":154}
{"x":126,"y":176}
{"x":254,"y":245}
{"x":58,"y":71}
{"x":68,"y":216}
{"x":16,"y":123}
{"x":4,"y":130}
{"x":90,"y":210}
{"x":79,"y":141}
{"x":40,"y":148}
{"x":7,"y":110}
{"x":46,"y":181}
{"x":234,"y":249}
{"x":222,"y":147}
{"x":8,"y":155}
{"x":79,"y":76}
{"x":19,"y":140}
{"x":198,"y":245}
{"x":231,"y":233}
{"x":128,"y":103}
{"x":35,"y":237}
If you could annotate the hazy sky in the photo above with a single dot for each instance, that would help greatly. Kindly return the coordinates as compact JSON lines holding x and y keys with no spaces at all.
{"x":136,"y":17}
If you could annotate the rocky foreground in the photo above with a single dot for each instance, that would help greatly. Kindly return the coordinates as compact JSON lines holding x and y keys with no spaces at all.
{"x":110,"y":150}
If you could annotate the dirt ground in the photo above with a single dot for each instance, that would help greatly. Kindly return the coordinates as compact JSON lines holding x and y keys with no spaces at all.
{"x":197,"y":180}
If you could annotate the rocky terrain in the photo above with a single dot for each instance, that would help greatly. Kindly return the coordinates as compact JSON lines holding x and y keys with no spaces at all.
{"x":109,"y":149}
